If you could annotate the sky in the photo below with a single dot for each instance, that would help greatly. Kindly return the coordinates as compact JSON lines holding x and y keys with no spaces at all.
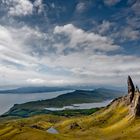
{"x":69,"y":42}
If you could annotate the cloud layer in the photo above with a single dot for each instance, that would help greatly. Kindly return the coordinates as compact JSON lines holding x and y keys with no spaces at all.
{"x":38,"y":50}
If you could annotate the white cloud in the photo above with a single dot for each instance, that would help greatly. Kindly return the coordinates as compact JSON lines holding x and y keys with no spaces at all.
{"x":79,"y":39}
{"x":23,"y":7}
{"x":68,"y":55}
{"x":44,"y":81}
{"x":14,"y":44}
{"x":83,"y":66}
{"x":36,"y":81}
{"x":97,"y":65}
{"x":17,"y":65}
{"x":96,"y":68}
{"x":127,"y":33}
{"x":131,"y":33}
{"x":133,"y":22}
{"x":104,"y":27}
{"x":38,"y":4}
{"x":81,"y":6}
{"x":20,"y":8}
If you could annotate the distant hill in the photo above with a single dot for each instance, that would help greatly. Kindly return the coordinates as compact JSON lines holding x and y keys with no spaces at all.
{"x":34,"y":90}
{"x":76,"y":97}
{"x":42,"y":89}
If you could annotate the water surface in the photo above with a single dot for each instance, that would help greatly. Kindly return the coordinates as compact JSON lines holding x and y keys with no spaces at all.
{"x":52,"y":130}
{"x":81,"y":106}
{"x":8,"y":100}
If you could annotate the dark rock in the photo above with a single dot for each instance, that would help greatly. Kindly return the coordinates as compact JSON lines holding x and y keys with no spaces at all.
{"x":37,"y":127}
{"x":74,"y":125}
{"x":137,"y":105}
{"x":131,"y":89}
{"x":133,"y":98}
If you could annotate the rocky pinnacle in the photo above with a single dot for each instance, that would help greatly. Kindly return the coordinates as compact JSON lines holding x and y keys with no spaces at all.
{"x":131,"y":88}
{"x":133,"y":98}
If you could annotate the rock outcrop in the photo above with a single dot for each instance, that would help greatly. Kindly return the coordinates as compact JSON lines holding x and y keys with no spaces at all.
{"x":133,"y":98}
{"x":131,"y":89}
{"x":74,"y":125}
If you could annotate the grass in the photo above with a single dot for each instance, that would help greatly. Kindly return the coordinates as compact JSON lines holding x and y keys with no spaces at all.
{"x":110,"y":123}
{"x":67,"y":112}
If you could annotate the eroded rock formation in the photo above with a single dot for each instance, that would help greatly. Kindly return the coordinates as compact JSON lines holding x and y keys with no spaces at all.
{"x":133,"y":98}
{"x":131,"y":89}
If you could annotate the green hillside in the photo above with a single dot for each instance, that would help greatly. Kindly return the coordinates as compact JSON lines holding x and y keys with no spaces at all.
{"x":76,"y":97}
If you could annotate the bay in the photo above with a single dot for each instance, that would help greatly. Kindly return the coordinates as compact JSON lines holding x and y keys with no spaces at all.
{"x":8,"y":100}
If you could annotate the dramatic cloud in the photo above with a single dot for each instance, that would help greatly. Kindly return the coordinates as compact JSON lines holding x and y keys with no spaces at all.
{"x":81,"y":40}
{"x":80,"y":57}
{"x":14,"y":42}
{"x":83,"y":43}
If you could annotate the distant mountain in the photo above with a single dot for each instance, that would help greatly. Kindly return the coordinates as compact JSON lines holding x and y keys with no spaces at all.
{"x":76,"y":97}
{"x":34,"y":89}
{"x":41,"y":89}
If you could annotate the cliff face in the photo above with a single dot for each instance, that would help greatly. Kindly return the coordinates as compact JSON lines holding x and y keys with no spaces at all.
{"x":133,"y":98}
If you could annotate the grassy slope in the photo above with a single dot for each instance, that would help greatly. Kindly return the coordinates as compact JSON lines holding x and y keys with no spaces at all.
{"x":111,"y":123}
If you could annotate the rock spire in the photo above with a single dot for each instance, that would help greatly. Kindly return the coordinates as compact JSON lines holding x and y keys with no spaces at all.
{"x":133,"y":98}
{"x":131,"y":89}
